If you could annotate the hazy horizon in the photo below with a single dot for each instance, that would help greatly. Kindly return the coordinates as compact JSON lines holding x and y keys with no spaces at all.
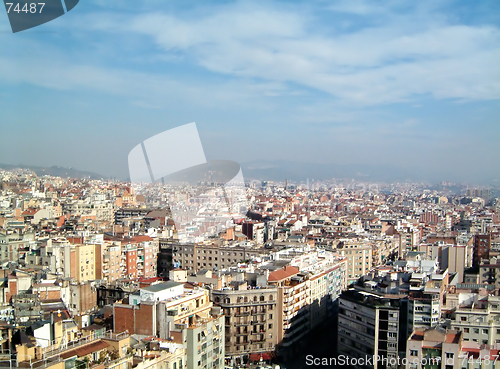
{"x":398,"y":89}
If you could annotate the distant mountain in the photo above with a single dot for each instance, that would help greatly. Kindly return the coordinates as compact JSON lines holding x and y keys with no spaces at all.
{"x":55,"y":171}
{"x":301,"y":172}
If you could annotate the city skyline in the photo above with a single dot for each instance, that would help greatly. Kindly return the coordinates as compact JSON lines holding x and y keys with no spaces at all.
{"x":409,"y":87}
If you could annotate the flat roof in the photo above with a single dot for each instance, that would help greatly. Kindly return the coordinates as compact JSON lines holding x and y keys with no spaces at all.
{"x":161,"y":286}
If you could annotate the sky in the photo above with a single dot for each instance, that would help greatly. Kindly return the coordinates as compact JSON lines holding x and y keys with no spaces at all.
{"x":414,"y":86}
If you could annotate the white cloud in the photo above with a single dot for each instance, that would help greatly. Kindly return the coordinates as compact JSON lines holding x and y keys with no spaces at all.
{"x":391,"y":63}
{"x":390,"y":55}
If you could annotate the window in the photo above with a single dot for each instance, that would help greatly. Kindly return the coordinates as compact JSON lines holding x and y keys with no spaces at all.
{"x":463,"y":318}
{"x":413,"y":353}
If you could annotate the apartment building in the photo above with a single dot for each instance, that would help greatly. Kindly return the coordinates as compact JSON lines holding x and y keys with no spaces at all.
{"x":409,"y":237}
{"x":251,"y":318}
{"x":455,"y":258}
{"x":123,"y":213}
{"x":166,"y":310}
{"x":326,"y":283}
{"x":478,"y":319}
{"x":56,"y":256}
{"x":255,"y":231}
{"x":15,"y":246}
{"x":410,"y":290}
{"x":444,"y":348}
{"x":489,"y":272}
{"x":111,"y":260}
{"x":194,"y":257}
{"x":482,"y":246}
{"x":205,"y":343}
{"x":305,"y":298}
{"x":359,"y":258}
{"x":369,"y":326}
{"x":83,"y":262}
{"x":129,"y":265}
{"x":424,"y":308}
{"x":435,"y":348}
{"x":426,"y":291}
{"x":292,"y":297}
{"x":146,"y":256}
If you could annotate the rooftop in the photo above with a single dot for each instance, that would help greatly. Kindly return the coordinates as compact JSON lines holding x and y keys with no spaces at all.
{"x":161,"y":286}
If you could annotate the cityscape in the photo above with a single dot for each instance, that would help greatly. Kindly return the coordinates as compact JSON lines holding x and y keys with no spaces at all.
{"x":279,"y":184}
{"x":98,"y":276}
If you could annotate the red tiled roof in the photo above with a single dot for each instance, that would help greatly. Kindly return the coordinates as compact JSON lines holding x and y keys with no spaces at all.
{"x":142,"y":238}
{"x":281,"y":274}
{"x":30,"y":212}
{"x":417,"y":336}
{"x":452,"y":337}
{"x":177,"y":337}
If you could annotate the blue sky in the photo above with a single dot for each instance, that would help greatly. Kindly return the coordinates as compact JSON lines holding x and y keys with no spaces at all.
{"x":412,"y":84}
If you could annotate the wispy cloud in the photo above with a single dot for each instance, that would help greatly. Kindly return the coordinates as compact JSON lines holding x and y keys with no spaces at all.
{"x":397,"y":58}
{"x":393,"y":62}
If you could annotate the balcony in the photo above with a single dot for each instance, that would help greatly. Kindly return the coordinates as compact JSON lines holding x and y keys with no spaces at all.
{"x":260,"y":340}
{"x":242,"y":313}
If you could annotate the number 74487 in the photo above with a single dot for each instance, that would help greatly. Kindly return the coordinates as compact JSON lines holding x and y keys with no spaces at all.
{"x":32,"y":7}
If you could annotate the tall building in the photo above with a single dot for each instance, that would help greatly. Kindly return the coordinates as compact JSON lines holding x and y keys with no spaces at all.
{"x":251,"y":318}
{"x":111,"y":259}
{"x":369,"y":326}
{"x":84,"y":262}
{"x":407,"y":294}
{"x":482,"y":246}
{"x":306,"y":297}
{"x":455,"y":258}
{"x":359,"y":258}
